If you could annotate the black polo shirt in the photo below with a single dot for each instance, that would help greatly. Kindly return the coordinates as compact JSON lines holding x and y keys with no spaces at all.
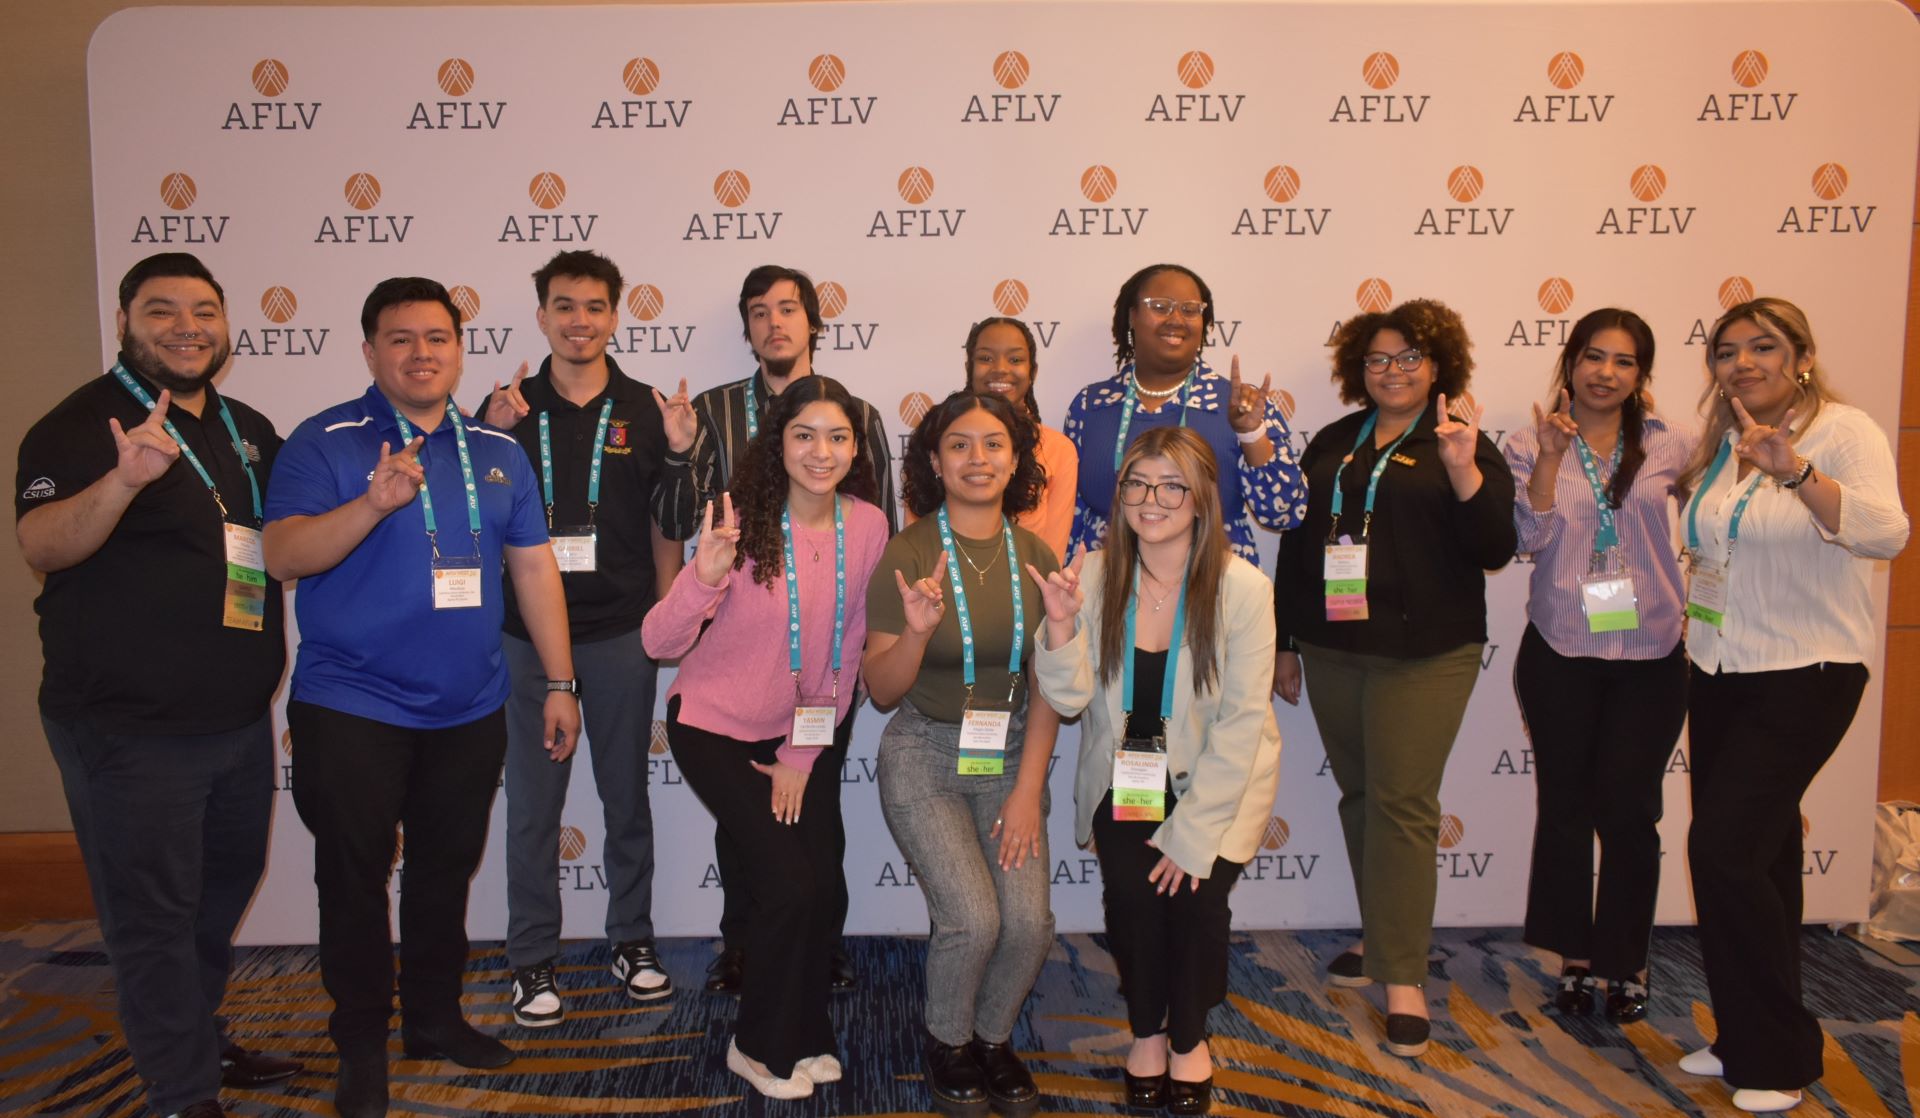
{"x":132,"y":635}
{"x":640,"y":485}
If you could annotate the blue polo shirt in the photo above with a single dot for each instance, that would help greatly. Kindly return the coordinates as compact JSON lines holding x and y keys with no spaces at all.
{"x":371,"y":643}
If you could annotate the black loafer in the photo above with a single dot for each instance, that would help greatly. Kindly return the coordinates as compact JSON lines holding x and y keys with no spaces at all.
{"x":454,"y":1040}
{"x":1348,"y":969}
{"x":1406,"y":1034}
{"x":1576,"y":991}
{"x":1626,"y":1001}
{"x":1010,"y":1087}
{"x":1189,"y":1098}
{"x":360,"y":1088}
{"x":241,"y":1068}
{"x":723,"y":974}
{"x":1146,"y":1092}
{"x":954,"y":1078}
{"x":840,"y":976}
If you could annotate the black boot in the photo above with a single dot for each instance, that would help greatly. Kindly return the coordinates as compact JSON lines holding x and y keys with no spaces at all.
{"x":453,"y":1039}
{"x":360,"y":1087}
{"x":1009,"y":1087}
{"x":954,"y":1078}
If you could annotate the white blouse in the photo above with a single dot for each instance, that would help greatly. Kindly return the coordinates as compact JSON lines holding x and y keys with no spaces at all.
{"x":1798,"y":594}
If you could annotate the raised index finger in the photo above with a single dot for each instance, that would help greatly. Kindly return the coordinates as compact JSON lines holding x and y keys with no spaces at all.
{"x":159,"y":413}
{"x":1440,"y":407}
{"x":1740,"y":413}
{"x":1233,"y":374}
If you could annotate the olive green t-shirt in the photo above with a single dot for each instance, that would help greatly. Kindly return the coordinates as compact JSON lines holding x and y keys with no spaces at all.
{"x":940,"y":690}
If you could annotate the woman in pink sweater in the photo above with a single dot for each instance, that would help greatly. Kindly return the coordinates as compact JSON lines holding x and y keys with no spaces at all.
{"x":751,"y":720}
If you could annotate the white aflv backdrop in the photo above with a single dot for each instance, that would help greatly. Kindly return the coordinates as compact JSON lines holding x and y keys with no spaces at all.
{"x":929,"y":164}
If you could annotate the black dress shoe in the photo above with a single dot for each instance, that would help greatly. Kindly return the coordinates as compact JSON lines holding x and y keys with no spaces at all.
{"x":1576,"y":991}
{"x":1407,"y":1035}
{"x":241,"y":1068}
{"x":206,"y":1109}
{"x":840,"y":976}
{"x":1146,"y":1092}
{"x":1348,"y":969}
{"x":1010,"y":1088}
{"x":360,"y":1088}
{"x":954,"y":1078}
{"x":454,"y":1040}
{"x":723,"y":974}
{"x":1626,"y":1001}
{"x":1189,"y":1098}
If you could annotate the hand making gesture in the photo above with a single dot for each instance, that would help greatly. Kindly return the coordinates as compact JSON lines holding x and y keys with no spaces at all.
{"x":676,"y":415}
{"x":397,"y":478}
{"x":504,"y":409}
{"x":1770,"y":449}
{"x":713,"y":556}
{"x":1060,"y":591}
{"x":1556,"y":428}
{"x":147,"y":451}
{"x":1247,"y":411}
{"x":924,"y":599}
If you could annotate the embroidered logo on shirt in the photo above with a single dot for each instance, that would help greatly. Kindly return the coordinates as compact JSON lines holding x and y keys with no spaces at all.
{"x":1404,"y":460}
{"x":41,"y":489}
{"x":617,"y":433}
{"x":497,"y":477}
{"x":253,"y":452}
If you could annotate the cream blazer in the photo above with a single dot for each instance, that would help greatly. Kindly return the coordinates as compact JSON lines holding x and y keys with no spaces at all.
{"x":1223,"y":747}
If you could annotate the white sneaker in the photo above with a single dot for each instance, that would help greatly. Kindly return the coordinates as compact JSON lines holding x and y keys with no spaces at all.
{"x":795,"y":1086}
{"x":1756,"y":1101}
{"x":1702,"y":1062}
{"x":536,"y":997}
{"x":824,"y":1068}
{"x":638,"y":968}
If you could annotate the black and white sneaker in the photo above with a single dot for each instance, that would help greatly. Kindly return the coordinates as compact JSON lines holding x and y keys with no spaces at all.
{"x":639,"y":970}
{"x":536,"y":996}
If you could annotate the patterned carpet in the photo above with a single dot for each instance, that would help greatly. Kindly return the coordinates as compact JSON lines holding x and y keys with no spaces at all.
{"x":1285,"y":1042}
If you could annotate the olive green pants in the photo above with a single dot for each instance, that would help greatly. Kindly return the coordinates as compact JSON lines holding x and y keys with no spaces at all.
{"x":1388,"y":725}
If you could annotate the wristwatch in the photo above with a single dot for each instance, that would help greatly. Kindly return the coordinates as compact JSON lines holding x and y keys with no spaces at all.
{"x":570,"y":686}
{"x":1806,"y":471}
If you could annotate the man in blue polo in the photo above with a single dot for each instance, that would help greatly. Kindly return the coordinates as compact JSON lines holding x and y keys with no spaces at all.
{"x":618,"y":489}
{"x":396,"y":515}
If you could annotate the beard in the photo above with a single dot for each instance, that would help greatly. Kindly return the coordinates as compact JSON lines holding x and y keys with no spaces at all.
{"x":779,"y":369}
{"x":146,"y":360}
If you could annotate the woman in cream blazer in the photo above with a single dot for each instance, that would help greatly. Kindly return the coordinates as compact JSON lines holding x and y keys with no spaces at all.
{"x":1177,"y":775}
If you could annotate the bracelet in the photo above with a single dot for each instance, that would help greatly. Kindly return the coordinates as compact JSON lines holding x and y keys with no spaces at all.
{"x":1247,"y":438}
{"x":1806,"y":471}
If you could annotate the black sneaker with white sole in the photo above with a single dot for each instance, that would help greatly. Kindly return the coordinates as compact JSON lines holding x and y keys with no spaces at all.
{"x":536,"y":996}
{"x":639,"y":970}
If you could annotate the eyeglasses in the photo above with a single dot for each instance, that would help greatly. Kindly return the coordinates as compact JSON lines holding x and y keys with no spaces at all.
{"x":1188,"y":308}
{"x":1407,"y":359}
{"x":1166,"y":494}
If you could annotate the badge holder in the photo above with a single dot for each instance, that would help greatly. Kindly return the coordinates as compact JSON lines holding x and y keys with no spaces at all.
{"x":1707,"y":591}
{"x":1140,"y":780}
{"x":1346,"y":577}
{"x":983,"y":738}
{"x":813,"y":716}
{"x":1607,"y":596}
{"x":245,"y":603}
{"x":575,"y":549}
{"x":456,"y":582}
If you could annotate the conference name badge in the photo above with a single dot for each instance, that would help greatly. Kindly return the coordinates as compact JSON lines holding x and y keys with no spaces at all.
{"x":456,"y":583}
{"x":813,"y":725}
{"x":1610,"y":603}
{"x":1346,"y":576}
{"x":245,"y":600}
{"x":1140,"y":780}
{"x":1707,"y":593}
{"x":575,"y":549}
{"x":983,"y":741}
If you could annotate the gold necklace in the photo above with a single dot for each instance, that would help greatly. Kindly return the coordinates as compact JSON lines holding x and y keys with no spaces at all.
{"x":1142,"y":585}
{"x":977,"y":568}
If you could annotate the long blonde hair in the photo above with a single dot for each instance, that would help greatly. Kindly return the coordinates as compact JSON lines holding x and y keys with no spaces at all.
{"x":1784,"y":321}
{"x":1206,"y":560}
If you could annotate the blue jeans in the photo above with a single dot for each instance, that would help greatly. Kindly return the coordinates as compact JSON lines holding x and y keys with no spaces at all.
{"x":173,"y":830}
{"x":992,"y":928}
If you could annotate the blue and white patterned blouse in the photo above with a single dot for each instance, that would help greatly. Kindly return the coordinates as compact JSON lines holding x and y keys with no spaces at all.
{"x":1274,"y":494}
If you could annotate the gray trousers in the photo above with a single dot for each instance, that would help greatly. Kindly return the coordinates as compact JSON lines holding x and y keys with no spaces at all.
{"x":992,"y":929}
{"x":616,"y":706}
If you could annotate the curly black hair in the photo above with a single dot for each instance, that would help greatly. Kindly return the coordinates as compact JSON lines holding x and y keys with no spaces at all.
{"x":1429,"y":326}
{"x":760,"y":483}
{"x":1129,"y":298}
{"x":923,"y":490}
{"x":1033,"y":357}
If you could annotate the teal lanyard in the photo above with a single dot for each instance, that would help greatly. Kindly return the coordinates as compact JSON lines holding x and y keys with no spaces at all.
{"x":966,"y":619}
{"x":1132,"y":400}
{"x":1173,"y":655}
{"x":1739,"y":508}
{"x":1373,"y":482}
{"x":839,"y":593}
{"x":466,"y":475}
{"x":1606,"y":537}
{"x":226,"y":417}
{"x":753,"y":410}
{"x":593,"y":472}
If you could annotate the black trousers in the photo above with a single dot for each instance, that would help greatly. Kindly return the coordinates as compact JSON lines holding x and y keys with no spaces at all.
{"x":790,"y":878}
{"x":735,"y":905}
{"x":173,"y":831}
{"x":1758,"y":739}
{"x":1602,"y":734}
{"x":1171,"y":949}
{"x":354,"y":781}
